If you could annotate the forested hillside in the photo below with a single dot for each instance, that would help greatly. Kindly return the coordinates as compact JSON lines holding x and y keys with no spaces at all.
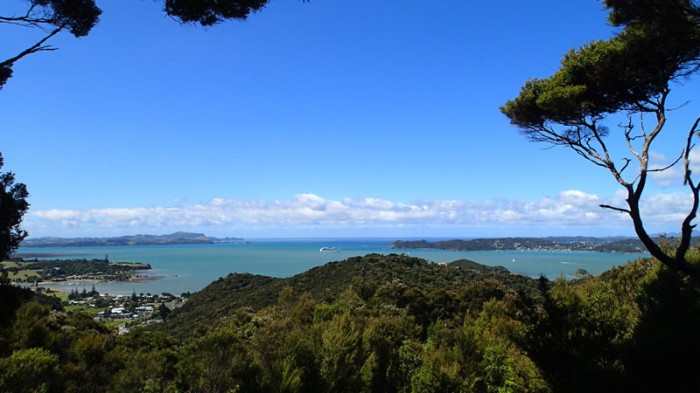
{"x":376,"y":324}
{"x":362,"y":275}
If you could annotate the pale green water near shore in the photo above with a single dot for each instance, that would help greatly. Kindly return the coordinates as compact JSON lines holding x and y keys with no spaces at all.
{"x":191,"y":267}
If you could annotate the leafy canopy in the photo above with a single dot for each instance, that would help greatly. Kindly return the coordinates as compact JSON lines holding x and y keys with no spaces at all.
{"x":660,"y":42}
{"x":210,"y":12}
{"x":79,"y":17}
{"x":13,"y":205}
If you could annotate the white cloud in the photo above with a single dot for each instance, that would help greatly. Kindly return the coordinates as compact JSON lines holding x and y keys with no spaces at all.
{"x":571,"y":209}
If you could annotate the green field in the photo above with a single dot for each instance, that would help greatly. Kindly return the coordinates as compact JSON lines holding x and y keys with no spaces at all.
{"x":20,"y":275}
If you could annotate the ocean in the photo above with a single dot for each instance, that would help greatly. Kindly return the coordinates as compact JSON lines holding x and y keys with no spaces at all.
{"x":189,"y":268}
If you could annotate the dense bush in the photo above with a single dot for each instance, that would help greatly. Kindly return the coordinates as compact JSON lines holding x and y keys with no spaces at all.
{"x":379,"y":324}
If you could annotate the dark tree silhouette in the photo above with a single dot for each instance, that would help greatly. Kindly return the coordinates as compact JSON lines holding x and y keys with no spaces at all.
{"x":80,"y":16}
{"x":13,"y":205}
{"x":630,"y":74}
{"x":52,"y":16}
{"x":210,"y":12}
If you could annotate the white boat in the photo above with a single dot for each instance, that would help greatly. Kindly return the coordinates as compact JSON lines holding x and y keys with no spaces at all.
{"x":329,"y":249}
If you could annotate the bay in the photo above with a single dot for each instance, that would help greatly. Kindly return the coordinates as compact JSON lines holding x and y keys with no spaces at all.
{"x":189,"y":268}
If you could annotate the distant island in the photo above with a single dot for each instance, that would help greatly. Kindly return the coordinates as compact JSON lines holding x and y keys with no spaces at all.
{"x":134,"y":240}
{"x":574,"y":243}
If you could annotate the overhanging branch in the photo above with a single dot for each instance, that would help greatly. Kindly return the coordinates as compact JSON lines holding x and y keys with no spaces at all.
{"x":618,"y":209}
{"x":38,"y":47}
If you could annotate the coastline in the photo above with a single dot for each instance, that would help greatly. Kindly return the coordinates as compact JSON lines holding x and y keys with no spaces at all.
{"x":191,"y":268}
{"x":64,"y":285}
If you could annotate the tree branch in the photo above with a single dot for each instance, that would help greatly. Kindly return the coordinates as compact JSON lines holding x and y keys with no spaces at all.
{"x":619,"y":209}
{"x":687,"y":226}
{"x":38,"y":47}
{"x":669,"y":166}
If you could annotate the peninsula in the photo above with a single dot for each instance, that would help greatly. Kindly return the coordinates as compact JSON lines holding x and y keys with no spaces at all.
{"x":133,"y":240}
{"x":61,"y":270}
{"x":594,"y":244}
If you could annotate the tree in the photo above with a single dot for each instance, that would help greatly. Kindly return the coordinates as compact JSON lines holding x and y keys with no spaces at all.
{"x":79,"y":17}
{"x":52,"y":16}
{"x":210,"y":12}
{"x":630,"y":74}
{"x":29,"y":370}
{"x":13,"y":205}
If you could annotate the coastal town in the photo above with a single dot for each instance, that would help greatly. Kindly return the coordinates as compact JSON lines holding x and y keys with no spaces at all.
{"x":120,"y":311}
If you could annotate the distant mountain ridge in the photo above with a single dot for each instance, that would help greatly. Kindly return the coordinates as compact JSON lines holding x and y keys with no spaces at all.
{"x":563,"y":243}
{"x":130,"y":240}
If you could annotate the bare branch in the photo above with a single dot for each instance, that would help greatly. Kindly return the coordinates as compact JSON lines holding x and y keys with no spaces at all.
{"x":641,"y":126}
{"x":627,"y":162}
{"x":683,"y":105}
{"x":32,"y":18}
{"x":618,"y":209}
{"x":629,"y":139}
{"x":688,"y":147}
{"x":26,"y":21}
{"x":644,"y":159}
{"x":669,"y":166}
{"x":38,"y":47}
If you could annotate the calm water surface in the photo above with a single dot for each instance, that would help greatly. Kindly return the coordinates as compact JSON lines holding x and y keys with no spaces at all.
{"x":190,"y":268}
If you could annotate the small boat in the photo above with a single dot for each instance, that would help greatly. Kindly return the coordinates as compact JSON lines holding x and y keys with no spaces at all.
{"x":329,"y":249}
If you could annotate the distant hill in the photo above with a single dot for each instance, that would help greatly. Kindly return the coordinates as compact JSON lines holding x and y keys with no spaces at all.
{"x":220,"y":299}
{"x":134,"y":240}
{"x":607,"y":244}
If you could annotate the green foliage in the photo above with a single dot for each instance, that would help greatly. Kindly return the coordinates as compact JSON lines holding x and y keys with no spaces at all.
{"x":577,"y":336}
{"x":660,"y":42}
{"x":629,"y":74}
{"x":13,"y":205}
{"x":340,"y":353}
{"x":408,"y":282}
{"x":52,"y":16}
{"x":456,"y":333}
{"x":30,"y":328}
{"x":5,"y":73}
{"x":62,"y":268}
{"x":78,"y":16}
{"x":217,"y":362}
{"x":31,"y":370}
{"x":210,"y":12}
{"x":11,"y":298}
{"x":362,"y":323}
{"x":662,"y":352}
{"x":148,"y":362}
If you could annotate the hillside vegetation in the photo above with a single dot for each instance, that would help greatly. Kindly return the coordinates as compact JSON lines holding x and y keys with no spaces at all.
{"x":363,"y":275}
{"x":376,"y":324}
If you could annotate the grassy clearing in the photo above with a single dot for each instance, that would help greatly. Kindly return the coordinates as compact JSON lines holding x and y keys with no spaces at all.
{"x":59,"y":294}
{"x":8,"y":264}
{"x":92,"y":311}
{"x":22,"y":275}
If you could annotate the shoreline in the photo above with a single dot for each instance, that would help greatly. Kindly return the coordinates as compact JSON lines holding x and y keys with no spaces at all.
{"x":137,"y":278}
{"x":646,"y":252}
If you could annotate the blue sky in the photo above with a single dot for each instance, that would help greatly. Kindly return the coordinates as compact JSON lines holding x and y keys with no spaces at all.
{"x":321,"y":119}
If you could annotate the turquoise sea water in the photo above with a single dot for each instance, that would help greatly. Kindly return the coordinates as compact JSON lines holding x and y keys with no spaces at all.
{"x":191,"y":267}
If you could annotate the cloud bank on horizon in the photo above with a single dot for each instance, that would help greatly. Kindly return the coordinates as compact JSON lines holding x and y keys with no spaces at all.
{"x":572,"y":212}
